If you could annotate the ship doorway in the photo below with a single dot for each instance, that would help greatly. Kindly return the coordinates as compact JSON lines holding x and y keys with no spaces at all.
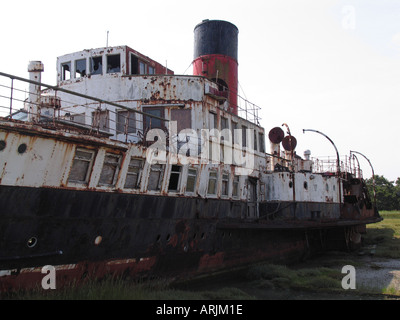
{"x":252,"y":208}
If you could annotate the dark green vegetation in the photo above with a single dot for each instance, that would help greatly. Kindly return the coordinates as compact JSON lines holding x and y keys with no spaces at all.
{"x":387,"y":193}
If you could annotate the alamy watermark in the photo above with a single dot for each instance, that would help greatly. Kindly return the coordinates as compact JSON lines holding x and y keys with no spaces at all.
{"x":49,"y":280}
{"x":349,"y":281}
{"x":348,"y":17}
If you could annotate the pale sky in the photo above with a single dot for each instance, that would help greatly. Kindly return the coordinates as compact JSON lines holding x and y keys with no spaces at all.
{"x":327,"y":65}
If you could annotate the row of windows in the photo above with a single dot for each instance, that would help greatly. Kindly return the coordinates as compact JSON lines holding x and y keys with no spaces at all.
{"x":94,"y":66}
{"x":213,"y":123}
{"x":126,"y":123}
{"x":84,"y":159}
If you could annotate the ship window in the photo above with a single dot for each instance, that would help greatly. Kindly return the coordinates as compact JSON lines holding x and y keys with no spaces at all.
{"x":234,"y":127}
{"x":142,"y":68}
{"x":261,"y":142}
{"x":96,"y":65}
{"x":126,"y":122}
{"x":212,"y":183}
{"x":255,"y":140}
{"x":109,"y":173}
{"x":100,"y":120}
{"x":66,"y":71}
{"x":150,"y":122}
{"x":235,"y":191}
{"x":174,"y":178}
{"x":191,"y":180}
{"x":155,"y":177}
{"x":224,"y":123}
{"x":80,"y":68}
{"x":134,"y":64}
{"x":81,"y":166}
{"x":213,"y":121}
{"x":152,"y":70}
{"x":225,"y":184}
{"x":182,"y":118}
{"x":78,"y":118}
{"x":114,"y":63}
{"x":134,"y":173}
{"x":244,"y":136}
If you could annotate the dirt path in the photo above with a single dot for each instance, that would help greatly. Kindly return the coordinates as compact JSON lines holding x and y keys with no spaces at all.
{"x":377,"y":274}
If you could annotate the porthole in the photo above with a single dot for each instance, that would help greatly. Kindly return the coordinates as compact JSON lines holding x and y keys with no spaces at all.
{"x":22,"y":148}
{"x":31,"y":242}
{"x":2,"y":145}
{"x":158,"y":238}
{"x":290,"y":184}
{"x":305,"y":185}
{"x":98,"y":240}
{"x":168,"y":237}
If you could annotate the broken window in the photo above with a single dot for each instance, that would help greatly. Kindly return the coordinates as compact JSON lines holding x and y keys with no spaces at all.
{"x":109,"y":173}
{"x":234,"y":127}
{"x":174,"y":178}
{"x":134,"y":64}
{"x":261,"y":141}
{"x":96,"y":65}
{"x":212,"y":182}
{"x":213,"y":121}
{"x":100,"y":120}
{"x":80,"y":68}
{"x":66,"y":71}
{"x":114,"y":63}
{"x":244,"y":136}
{"x":155,"y":177}
{"x":182,"y":118}
{"x":225,"y":184}
{"x":152,"y":123}
{"x":255,"y":140}
{"x":126,"y":122}
{"x":235,"y":190}
{"x":134,"y":174}
{"x":191,"y":180}
{"x":81,"y":166}
{"x":78,"y":118}
{"x":224,"y":123}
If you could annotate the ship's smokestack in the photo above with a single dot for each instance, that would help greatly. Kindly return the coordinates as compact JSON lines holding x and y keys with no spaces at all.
{"x":216,"y":56}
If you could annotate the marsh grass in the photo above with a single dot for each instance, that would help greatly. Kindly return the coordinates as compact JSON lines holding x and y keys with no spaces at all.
{"x":124,"y":289}
{"x":385,"y":235}
{"x":270,"y":276}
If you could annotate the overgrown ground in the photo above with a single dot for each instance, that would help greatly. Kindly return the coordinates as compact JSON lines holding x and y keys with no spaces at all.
{"x":378,"y":276}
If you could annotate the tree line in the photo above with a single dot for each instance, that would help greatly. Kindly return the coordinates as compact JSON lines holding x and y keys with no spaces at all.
{"x":387,"y":192}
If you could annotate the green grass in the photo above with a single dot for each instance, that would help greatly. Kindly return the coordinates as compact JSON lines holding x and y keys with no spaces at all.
{"x":123,"y":289}
{"x":385,"y":235}
{"x":270,"y":276}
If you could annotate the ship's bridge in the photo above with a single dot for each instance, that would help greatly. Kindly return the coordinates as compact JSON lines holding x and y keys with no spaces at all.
{"x":120,"y":60}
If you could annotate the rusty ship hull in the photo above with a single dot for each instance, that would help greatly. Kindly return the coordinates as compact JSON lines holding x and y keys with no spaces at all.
{"x":125,"y":168}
